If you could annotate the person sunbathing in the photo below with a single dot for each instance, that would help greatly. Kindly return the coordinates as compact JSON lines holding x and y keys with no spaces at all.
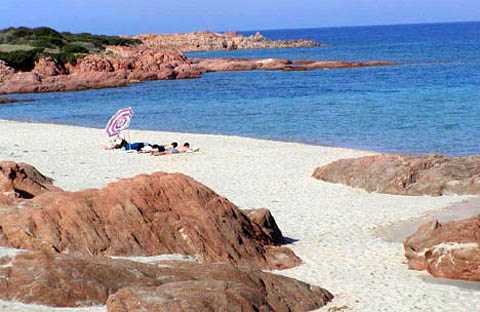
{"x":115,"y":144}
{"x":120,"y":143}
{"x":174,"y":150}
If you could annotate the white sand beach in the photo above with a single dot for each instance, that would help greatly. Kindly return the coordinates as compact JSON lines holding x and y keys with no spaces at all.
{"x":331,"y":227}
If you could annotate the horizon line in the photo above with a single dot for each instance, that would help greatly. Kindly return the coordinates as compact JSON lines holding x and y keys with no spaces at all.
{"x":354,"y":26}
{"x":273,"y":29}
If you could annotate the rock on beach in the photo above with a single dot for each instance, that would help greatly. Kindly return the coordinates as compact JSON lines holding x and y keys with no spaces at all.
{"x":431,"y":174}
{"x":446,"y":250}
{"x":143,"y":216}
{"x":61,"y":280}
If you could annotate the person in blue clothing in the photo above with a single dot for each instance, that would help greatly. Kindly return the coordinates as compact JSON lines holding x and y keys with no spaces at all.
{"x":137,"y":146}
{"x":121,"y":143}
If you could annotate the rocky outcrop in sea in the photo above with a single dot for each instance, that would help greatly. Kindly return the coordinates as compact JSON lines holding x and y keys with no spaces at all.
{"x":120,"y":66}
{"x":211,"y":41}
{"x":159,"y":58}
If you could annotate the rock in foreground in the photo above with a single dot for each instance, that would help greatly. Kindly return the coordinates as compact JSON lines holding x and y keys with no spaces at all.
{"x":23,"y":180}
{"x":72,"y":281}
{"x":447,"y":250}
{"x":143,"y":216}
{"x":430,"y":174}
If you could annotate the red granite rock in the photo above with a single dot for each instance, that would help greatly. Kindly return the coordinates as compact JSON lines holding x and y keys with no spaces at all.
{"x":211,"y":41}
{"x":47,"y":66}
{"x":93,"y":63}
{"x":10,"y":100}
{"x":446,"y":250}
{"x":430,"y":174}
{"x":145,"y":215}
{"x":219,"y":288}
{"x":5,"y":71}
{"x":342,"y":64}
{"x":117,"y":67}
{"x":264,"y":218}
{"x":23,"y":180}
{"x":303,"y":62}
{"x":241,"y":64}
{"x":80,"y":281}
{"x":238,"y":64}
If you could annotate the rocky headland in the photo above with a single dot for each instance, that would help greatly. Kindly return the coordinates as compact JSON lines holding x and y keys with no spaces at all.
{"x":120,"y":66}
{"x":155,"y":57}
{"x":212,"y":41}
{"x":431,"y":174}
{"x":72,"y":236}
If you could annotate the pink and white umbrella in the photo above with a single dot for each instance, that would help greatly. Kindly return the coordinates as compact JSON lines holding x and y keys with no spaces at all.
{"x":119,"y":121}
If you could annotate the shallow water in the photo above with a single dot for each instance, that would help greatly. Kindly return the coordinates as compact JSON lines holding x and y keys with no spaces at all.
{"x":430,"y":102}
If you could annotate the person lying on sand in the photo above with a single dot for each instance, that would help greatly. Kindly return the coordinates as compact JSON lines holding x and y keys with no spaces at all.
{"x":174,"y":150}
{"x":120,"y":143}
{"x":115,"y":144}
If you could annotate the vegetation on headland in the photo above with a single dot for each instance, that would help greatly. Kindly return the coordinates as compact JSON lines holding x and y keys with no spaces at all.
{"x":21,"y":47}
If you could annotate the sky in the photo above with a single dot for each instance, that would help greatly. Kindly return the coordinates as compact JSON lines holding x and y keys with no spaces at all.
{"x":128,"y":17}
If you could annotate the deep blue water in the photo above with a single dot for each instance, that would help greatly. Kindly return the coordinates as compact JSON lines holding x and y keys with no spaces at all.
{"x":430,"y":102}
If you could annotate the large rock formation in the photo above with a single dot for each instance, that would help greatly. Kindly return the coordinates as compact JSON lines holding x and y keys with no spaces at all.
{"x":430,"y":174}
{"x":211,"y":41}
{"x":47,"y":66}
{"x":145,"y":215}
{"x":159,"y":58}
{"x":72,"y":281}
{"x":447,"y":250}
{"x":117,"y":67}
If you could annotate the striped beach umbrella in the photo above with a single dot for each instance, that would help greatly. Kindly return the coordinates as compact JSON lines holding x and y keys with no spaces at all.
{"x":119,"y":121}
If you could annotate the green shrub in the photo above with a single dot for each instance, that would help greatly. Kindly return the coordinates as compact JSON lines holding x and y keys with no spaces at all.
{"x":64,"y":58}
{"x":74,"y":48}
{"x":45,"y":32}
{"x":21,"y":59}
{"x":46,"y":37}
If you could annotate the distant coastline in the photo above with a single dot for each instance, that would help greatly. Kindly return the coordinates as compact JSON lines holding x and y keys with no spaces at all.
{"x":92,"y":62}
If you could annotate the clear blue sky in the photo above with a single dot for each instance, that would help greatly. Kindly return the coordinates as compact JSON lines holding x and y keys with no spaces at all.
{"x":157,"y":16}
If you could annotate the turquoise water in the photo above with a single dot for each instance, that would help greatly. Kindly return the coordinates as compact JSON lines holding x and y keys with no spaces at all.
{"x":430,"y":102}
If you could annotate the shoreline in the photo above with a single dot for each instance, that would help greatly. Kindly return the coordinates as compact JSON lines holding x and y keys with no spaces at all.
{"x":331,"y":227}
{"x":200,"y":133}
{"x":364,"y":150}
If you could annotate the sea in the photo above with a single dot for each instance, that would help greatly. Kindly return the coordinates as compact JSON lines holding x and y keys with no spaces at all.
{"x":428,"y":102}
